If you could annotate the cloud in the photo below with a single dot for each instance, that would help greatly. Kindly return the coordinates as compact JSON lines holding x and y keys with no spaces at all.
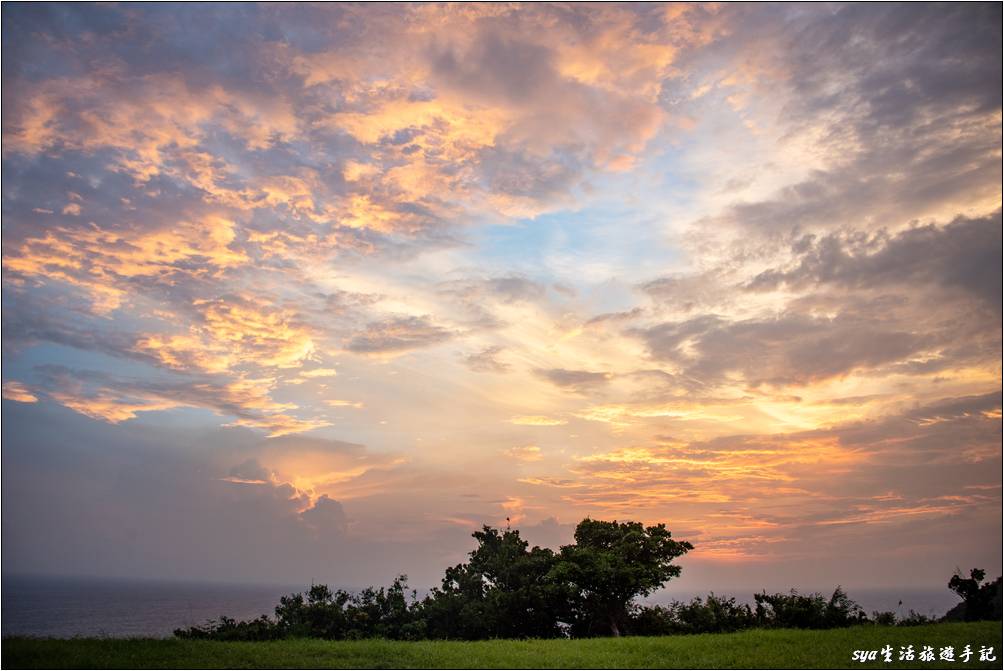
{"x":574,"y":380}
{"x":250,"y":472}
{"x":686,"y":407}
{"x":18,"y":391}
{"x":985,"y":405}
{"x":115,"y":399}
{"x":339,"y":403}
{"x":319,"y":372}
{"x":689,"y":293}
{"x":747,"y":254}
{"x":229,"y":332}
{"x":964,"y":254}
{"x":789,"y":349}
{"x":398,"y":334}
{"x":762,"y":496}
{"x":326,"y":516}
{"x":489,"y":303}
{"x":98,"y":261}
{"x":538,"y":420}
{"x":525,"y":453}
{"x":513,"y":288}
{"x":615,"y":317}
{"x":898,"y":107}
{"x":239,"y":511}
{"x":486,"y":361}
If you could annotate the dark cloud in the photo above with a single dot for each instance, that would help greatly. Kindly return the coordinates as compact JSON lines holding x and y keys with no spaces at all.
{"x":499,"y":66}
{"x":115,"y":398}
{"x":506,"y":289}
{"x":300,"y":443}
{"x":964,"y":254}
{"x":326,"y":517}
{"x":576,"y":380}
{"x":521,"y":173}
{"x":615,"y":317}
{"x":26,"y":325}
{"x":148,"y":501}
{"x":905,"y":100}
{"x":983,"y":405}
{"x":399,"y":334}
{"x":514,"y":288}
{"x":788,"y":349}
{"x":904,"y":61}
{"x":250,"y":470}
{"x":689,"y":292}
{"x":486,"y":361}
{"x":479,"y":298}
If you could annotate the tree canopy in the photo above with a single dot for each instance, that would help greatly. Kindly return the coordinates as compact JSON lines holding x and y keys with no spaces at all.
{"x":979,"y":601}
{"x":611,"y":564}
{"x":508,"y":590}
{"x":505,"y":590}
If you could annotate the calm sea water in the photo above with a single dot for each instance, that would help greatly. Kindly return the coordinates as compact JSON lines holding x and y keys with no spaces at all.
{"x":64,"y":607}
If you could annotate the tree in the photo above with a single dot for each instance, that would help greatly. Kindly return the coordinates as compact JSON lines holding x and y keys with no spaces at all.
{"x":979,"y":602}
{"x":504,"y":591}
{"x":320,"y":613}
{"x":611,"y":564}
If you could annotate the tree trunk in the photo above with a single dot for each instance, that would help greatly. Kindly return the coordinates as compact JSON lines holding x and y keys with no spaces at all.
{"x":614,"y":629}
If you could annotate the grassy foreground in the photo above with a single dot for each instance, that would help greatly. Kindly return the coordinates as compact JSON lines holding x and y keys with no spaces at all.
{"x":750,"y":649}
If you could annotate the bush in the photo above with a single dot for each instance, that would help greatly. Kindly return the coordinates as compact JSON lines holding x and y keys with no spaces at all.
{"x":321,"y":613}
{"x":228,"y":629}
{"x":711,"y":615}
{"x":886,"y":618}
{"x":914,"y":619}
{"x":812,"y":611}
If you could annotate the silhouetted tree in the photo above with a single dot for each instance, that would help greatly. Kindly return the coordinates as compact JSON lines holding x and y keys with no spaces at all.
{"x":504,"y":591}
{"x":319,"y":613}
{"x":979,"y":601}
{"x":612,"y":563}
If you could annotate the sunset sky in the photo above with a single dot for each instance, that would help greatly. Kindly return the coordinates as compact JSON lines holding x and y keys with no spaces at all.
{"x":312,"y":292}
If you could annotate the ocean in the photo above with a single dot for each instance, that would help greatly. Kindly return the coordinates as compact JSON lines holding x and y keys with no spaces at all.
{"x":66,"y":607}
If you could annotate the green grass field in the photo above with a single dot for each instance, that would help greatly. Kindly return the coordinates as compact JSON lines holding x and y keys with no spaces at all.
{"x":750,"y":649}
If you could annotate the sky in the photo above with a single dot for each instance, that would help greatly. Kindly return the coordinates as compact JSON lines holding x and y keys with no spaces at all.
{"x":298,"y":293}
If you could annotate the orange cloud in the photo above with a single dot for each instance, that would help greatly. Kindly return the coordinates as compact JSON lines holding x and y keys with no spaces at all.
{"x":109,"y":406}
{"x":537,"y":420}
{"x":232,"y":332}
{"x":339,"y":403}
{"x":269,"y":337}
{"x":525,"y":453}
{"x":96,"y":259}
{"x":17,"y":391}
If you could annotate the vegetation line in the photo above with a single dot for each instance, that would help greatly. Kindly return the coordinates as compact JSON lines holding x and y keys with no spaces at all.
{"x":508,"y":590}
